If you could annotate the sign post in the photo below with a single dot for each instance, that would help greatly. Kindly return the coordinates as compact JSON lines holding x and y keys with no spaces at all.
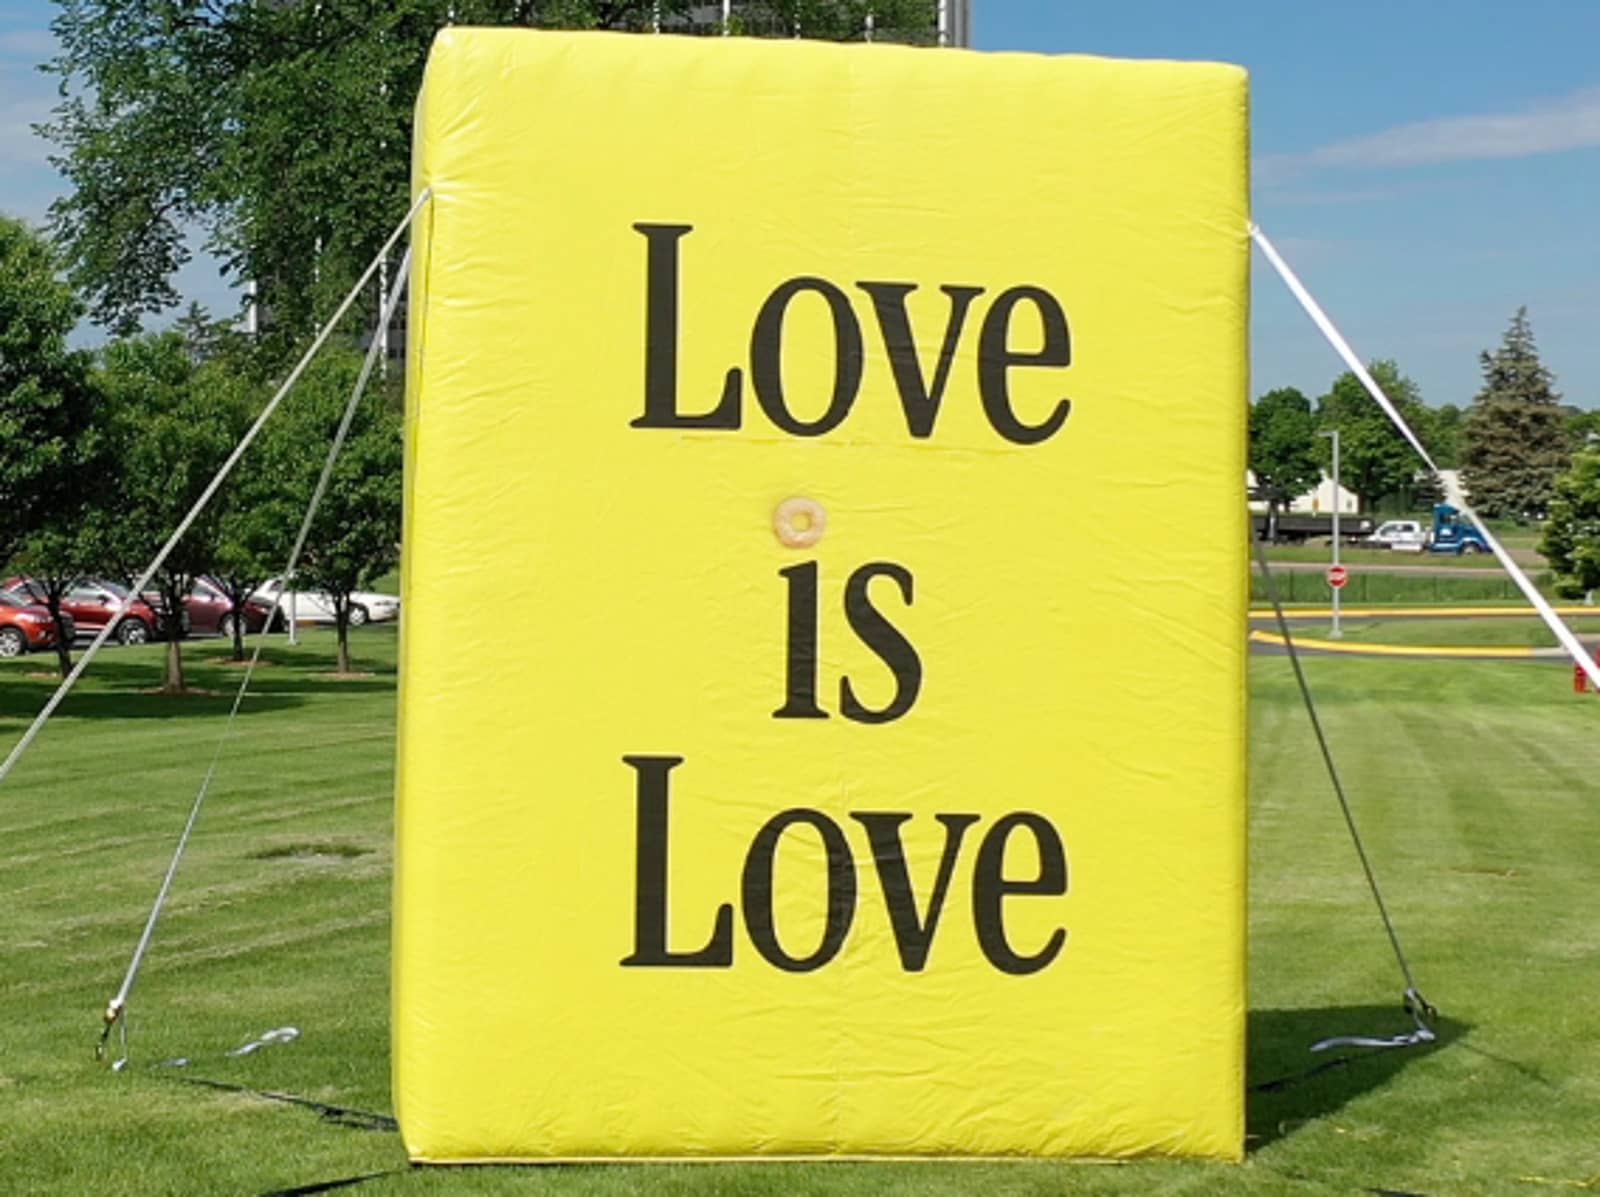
{"x":1336,"y":574}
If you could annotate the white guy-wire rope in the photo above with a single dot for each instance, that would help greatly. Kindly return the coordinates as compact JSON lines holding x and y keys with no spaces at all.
{"x":116,"y":1009}
{"x":98,"y":642}
{"x":1326,"y":326}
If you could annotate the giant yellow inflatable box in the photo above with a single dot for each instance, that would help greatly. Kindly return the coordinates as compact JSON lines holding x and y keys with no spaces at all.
{"x":822,"y":709}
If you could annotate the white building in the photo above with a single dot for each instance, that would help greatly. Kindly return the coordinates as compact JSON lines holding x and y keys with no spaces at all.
{"x":1318,"y":501}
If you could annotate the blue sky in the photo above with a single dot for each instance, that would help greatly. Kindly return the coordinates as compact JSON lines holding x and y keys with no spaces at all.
{"x":1426,"y":167}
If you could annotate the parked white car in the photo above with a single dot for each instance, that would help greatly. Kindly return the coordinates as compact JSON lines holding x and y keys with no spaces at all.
{"x":316,"y":606}
{"x":1402,"y":535}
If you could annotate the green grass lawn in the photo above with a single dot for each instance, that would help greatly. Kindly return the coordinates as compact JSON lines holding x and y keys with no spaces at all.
{"x":1475,"y":782}
{"x":1512,"y":534}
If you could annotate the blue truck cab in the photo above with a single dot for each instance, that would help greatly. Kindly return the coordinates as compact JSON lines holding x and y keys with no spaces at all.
{"x":1454,"y":534}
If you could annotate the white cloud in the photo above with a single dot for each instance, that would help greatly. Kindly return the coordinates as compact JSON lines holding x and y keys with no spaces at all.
{"x":1551,"y":126}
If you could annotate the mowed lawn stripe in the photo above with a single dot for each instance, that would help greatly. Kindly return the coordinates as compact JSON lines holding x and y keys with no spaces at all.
{"x":1472,"y":782}
{"x":1476,"y":794}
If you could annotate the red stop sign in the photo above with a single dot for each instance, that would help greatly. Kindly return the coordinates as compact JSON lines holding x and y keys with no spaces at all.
{"x":1338,"y":576}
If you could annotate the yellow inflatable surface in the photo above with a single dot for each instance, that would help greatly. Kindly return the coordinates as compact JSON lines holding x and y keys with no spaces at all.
{"x":822,"y":725}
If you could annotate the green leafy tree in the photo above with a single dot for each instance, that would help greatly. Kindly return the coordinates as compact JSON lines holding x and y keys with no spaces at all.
{"x":257,"y":526}
{"x":1583,"y":427}
{"x":207,"y":338}
{"x":1516,"y":438}
{"x":1571,"y":541}
{"x":1443,"y":436}
{"x":279,"y":132}
{"x":1375,"y":462}
{"x":45,"y":399}
{"x":831,"y":20}
{"x":253,"y":539}
{"x":256,"y":518}
{"x":1283,"y":449}
{"x":172,"y":423}
{"x":65,"y":548}
{"x":356,"y":533}
{"x":50,"y":467}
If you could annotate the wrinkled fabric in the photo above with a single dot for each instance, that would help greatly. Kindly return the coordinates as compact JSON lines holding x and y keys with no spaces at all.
{"x":905,"y":819}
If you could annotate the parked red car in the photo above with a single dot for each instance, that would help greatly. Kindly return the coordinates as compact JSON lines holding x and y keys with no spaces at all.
{"x":210,"y":611}
{"x":92,"y":604}
{"x":24,"y":626}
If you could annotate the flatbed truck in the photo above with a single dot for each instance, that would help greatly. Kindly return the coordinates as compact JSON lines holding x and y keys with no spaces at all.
{"x":1298,"y":528}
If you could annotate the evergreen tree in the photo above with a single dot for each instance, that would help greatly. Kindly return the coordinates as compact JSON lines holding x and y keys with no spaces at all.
{"x":1516,"y":442}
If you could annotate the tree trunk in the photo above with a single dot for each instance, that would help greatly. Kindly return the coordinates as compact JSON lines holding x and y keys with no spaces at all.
{"x":63,"y":643}
{"x":174,"y":683}
{"x":341,"y":621}
{"x":172,"y":600}
{"x":238,"y":630}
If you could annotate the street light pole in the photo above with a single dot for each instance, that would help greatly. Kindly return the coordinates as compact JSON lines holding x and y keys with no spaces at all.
{"x":1333,"y":433}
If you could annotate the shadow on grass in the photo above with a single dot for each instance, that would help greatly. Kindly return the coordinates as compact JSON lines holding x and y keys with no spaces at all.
{"x":22,"y":704}
{"x":328,"y":1186}
{"x":208,"y":665}
{"x":296,"y":682}
{"x":1290,"y":1085}
{"x":287,"y":671}
{"x":127,"y":689}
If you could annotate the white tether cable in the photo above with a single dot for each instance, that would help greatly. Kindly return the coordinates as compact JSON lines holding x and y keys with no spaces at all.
{"x":116,"y":1009}
{"x":1342,"y":347}
{"x":89,"y":653}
